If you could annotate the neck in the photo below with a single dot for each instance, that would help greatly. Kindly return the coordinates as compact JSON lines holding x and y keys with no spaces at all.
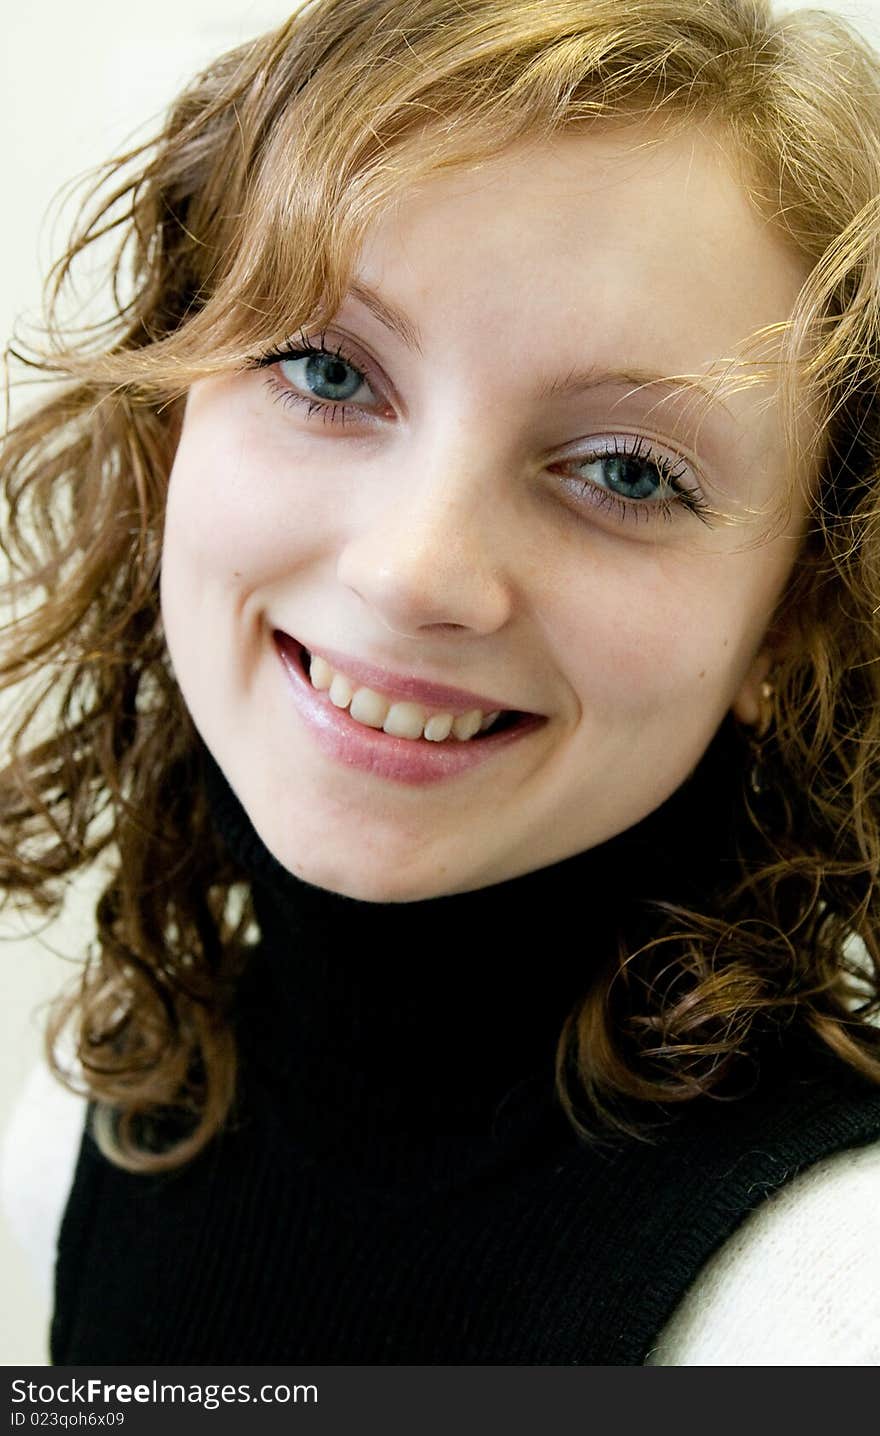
{"x":393,"y":1022}
{"x":409,"y":1020}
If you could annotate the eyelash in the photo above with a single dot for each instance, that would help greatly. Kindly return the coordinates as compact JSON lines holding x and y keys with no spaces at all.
{"x":667,"y":470}
{"x":691,"y":500}
{"x":330,"y":410}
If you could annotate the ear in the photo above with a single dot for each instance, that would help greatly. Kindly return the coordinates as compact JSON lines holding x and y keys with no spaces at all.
{"x":749,"y":703}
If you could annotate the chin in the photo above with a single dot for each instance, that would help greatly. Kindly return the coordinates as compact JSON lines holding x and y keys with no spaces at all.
{"x":379,"y":881}
{"x":376,"y":887}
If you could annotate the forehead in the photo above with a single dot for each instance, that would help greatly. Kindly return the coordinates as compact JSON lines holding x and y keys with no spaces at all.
{"x":630,"y":251}
{"x":645,"y":238}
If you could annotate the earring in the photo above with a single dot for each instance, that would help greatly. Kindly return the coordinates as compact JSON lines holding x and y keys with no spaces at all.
{"x":758,"y":779}
{"x":766,"y":713}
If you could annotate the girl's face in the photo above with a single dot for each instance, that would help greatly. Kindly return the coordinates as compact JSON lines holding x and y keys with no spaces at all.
{"x":485,"y":486}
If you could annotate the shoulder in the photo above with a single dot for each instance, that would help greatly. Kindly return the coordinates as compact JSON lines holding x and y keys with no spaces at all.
{"x":797,"y":1284}
{"x":37,"y":1163}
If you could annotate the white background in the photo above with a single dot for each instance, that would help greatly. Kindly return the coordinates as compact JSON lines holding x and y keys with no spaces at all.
{"x":76,"y":83}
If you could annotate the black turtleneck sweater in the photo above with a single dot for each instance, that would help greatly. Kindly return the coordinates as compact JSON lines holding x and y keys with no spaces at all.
{"x":397,"y":1183}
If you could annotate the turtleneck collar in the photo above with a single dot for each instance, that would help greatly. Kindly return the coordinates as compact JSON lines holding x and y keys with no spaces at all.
{"x":408,"y":1021}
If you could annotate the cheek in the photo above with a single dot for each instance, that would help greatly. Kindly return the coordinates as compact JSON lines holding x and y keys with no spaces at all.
{"x":632,"y":639}
{"x":235,"y":510}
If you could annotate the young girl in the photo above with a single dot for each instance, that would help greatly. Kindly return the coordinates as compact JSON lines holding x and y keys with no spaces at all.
{"x":452,"y":572}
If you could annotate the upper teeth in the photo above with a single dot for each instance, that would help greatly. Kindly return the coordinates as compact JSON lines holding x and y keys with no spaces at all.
{"x":402,"y":720}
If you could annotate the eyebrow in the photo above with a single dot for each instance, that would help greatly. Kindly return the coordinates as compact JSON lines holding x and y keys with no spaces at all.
{"x":578,"y":381}
{"x":392,"y":318}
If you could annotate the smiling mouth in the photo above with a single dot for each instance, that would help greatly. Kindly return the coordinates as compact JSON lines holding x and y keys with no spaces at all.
{"x":376,"y":708}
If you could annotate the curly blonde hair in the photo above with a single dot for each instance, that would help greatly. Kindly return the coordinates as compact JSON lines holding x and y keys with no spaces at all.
{"x":239,"y":224}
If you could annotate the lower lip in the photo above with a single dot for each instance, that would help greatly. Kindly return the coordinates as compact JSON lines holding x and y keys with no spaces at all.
{"x":404,"y":760}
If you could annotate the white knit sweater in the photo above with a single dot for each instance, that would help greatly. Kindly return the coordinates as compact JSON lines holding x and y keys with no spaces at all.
{"x":798,"y":1284}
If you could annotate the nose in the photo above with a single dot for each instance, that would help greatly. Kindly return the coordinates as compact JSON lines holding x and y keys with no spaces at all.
{"x":432,"y":556}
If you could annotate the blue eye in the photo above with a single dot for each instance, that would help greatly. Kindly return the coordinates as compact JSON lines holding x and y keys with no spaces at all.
{"x":325,"y":381}
{"x":634,"y":480}
{"x":633,"y":475}
{"x":327,"y":376}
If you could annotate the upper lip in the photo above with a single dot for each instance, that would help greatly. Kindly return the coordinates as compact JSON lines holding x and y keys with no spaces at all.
{"x":439,"y":697}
